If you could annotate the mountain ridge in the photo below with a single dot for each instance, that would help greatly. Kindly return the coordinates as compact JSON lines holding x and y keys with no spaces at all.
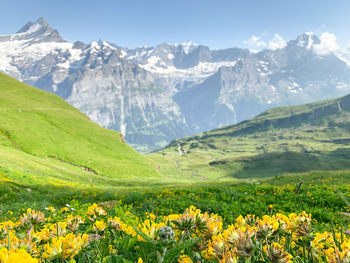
{"x":156,"y":94}
{"x":289,"y":139}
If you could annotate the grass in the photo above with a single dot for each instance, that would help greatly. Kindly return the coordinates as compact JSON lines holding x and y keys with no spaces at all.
{"x":146,"y":227}
{"x":293,"y":139}
{"x":43,"y":138}
{"x":287,"y":160}
{"x":40,"y":135}
{"x":319,"y":194}
{"x":50,"y":153}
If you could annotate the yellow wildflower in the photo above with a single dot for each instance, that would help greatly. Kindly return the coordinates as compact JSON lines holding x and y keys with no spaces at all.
{"x":54,"y":249}
{"x":95,"y":211}
{"x":277,"y":254}
{"x":32,"y":217}
{"x":184,"y":259}
{"x":16,"y":256}
{"x":99,"y":225}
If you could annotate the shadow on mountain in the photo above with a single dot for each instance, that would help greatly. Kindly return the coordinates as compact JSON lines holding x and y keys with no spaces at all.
{"x":278,"y":163}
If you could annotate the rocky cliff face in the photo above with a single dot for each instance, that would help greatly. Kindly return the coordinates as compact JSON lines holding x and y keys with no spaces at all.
{"x":156,"y":94}
{"x":292,"y":75}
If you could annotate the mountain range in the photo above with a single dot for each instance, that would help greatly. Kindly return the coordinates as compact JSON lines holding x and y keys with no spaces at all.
{"x":153,"y":95}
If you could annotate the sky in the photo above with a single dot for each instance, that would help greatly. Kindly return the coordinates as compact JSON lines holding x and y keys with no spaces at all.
{"x":255,"y":24}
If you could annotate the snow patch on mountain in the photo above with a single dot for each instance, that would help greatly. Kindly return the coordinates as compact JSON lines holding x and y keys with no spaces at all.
{"x":188,"y":46}
{"x":202,"y":70}
{"x":18,"y":52}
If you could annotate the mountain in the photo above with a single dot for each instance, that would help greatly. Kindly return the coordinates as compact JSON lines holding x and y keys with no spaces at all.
{"x":291,"y":139}
{"x":33,"y":33}
{"x":288,"y":76}
{"x":153,"y":95}
{"x":46,"y":141}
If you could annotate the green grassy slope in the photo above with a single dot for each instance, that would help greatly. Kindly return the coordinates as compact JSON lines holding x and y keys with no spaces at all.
{"x":43,"y":139}
{"x":283,"y":140}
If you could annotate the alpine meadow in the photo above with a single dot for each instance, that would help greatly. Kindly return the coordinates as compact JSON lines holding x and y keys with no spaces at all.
{"x":122,"y":140}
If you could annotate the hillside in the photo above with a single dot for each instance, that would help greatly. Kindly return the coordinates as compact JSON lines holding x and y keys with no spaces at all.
{"x":44,"y":140}
{"x":282,"y":140}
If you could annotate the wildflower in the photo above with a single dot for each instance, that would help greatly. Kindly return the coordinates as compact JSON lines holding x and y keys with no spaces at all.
{"x":72,"y":244}
{"x":94,"y":237}
{"x":73,"y":222}
{"x":54,"y":249}
{"x":43,"y":235}
{"x":321,"y":243}
{"x":230,"y":234}
{"x":59,"y":229}
{"x":277,"y":254}
{"x":266,"y":227}
{"x":115,"y":223}
{"x":300,"y":224}
{"x":16,"y":256}
{"x":6,"y":226}
{"x":166,"y":233}
{"x":95,"y":211}
{"x":282,"y":220}
{"x":243,"y":244}
{"x":228,"y":257}
{"x":65,"y":246}
{"x":99,"y":225}
{"x":32,"y":217}
{"x":247,"y":239}
{"x":112,"y":250}
{"x":216,"y":247}
{"x":129,"y":230}
{"x":150,"y":229}
{"x":151,"y":216}
{"x":184,"y":259}
{"x":251,"y":220}
{"x":213,"y":228}
{"x":240,"y":221}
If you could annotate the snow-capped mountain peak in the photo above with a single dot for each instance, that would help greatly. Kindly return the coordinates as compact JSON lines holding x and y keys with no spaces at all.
{"x":306,"y":40}
{"x":39,"y":31}
{"x":31,"y":27}
{"x":188,"y":46}
{"x":38,"y":43}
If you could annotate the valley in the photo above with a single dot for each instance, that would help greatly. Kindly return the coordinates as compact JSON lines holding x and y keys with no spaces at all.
{"x":173,"y":152}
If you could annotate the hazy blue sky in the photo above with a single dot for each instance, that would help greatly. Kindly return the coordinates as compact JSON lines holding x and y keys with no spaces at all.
{"x":216,"y":23}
